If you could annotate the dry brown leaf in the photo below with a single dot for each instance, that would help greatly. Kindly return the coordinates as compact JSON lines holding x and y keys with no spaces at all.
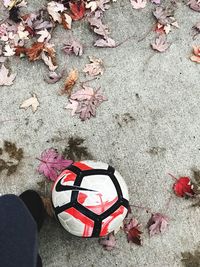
{"x":20,"y":50}
{"x":35,"y":51}
{"x":70,"y":82}
{"x":48,"y":48}
{"x":95,"y":68}
{"x":66,"y":21}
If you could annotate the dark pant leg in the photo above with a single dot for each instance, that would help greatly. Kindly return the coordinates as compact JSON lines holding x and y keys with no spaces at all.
{"x":35,"y":205}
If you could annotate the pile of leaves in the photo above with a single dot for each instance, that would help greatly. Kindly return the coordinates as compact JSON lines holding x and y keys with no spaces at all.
{"x":29,"y":35}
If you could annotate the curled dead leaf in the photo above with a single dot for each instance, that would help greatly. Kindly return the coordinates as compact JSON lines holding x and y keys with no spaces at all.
{"x":70,"y":82}
{"x":35,"y":51}
{"x":95,"y":67}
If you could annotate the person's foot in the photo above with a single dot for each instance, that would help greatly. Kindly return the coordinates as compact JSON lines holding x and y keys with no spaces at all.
{"x":35,"y":205}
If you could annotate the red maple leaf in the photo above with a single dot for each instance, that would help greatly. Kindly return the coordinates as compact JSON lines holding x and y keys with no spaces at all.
{"x":77,"y":10}
{"x":131,"y":228}
{"x":183,"y":187}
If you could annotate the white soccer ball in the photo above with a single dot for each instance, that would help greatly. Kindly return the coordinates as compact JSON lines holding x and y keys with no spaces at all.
{"x":90,"y":199}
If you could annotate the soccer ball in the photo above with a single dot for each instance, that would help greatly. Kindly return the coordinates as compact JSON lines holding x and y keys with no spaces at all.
{"x":90,"y":199}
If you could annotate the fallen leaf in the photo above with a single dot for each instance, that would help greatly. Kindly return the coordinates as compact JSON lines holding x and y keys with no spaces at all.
{"x":98,"y":4}
{"x":34,"y":52}
{"x":157,"y":223}
{"x":73,"y":105}
{"x":95,"y":67}
{"x":70,"y":82}
{"x":109,"y":42}
{"x":160,"y":44}
{"x":48,"y":61}
{"x":196,"y":56}
{"x":4,"y":78}
{"x":138,"y":4}
{"x":8,"y":51}
{"x":194,"y":5}
{"x":66,"y":21}
{"x":167,"y":28}
{"x":88,"y":100}
{"x":31,"y":102}
{"x":108,"y":242}
{"x":19,"y":50}
{"x":45,"y":36}
{"x":157,"y":2}
{"x":49,"y":49}
{"x":183,"y":186}
{"x":197,"y":27}
{"x":77,"y":10}
{"x":92,"y":5}
{"x":53,"y":77}
{"x":73,"y":46}
{"x":54,"y":10}
{"x":132,"y":229}
{"x":164,"y":16}
{"x":51,"y":163}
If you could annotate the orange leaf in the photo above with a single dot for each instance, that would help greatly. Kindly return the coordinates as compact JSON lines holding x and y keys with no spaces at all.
{"x":70,"y":82}
{"x":35,"y":51}
{"x":77,"y":10}
{"x":20,"y":50}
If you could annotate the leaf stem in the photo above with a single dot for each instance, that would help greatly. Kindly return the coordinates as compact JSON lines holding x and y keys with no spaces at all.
{"x":172,"y":176}
{"x":141,"y":207}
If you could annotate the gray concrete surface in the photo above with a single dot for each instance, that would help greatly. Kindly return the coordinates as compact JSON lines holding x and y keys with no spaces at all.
{"x":166,"y":116}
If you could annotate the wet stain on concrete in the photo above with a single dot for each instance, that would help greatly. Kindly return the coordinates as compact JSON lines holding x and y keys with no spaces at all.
{"x":75,"y":150}
{"x":191,"y":260}
{"x":124,"y":119}
{"x":10,"y":157}
{"x":154,"y":151}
